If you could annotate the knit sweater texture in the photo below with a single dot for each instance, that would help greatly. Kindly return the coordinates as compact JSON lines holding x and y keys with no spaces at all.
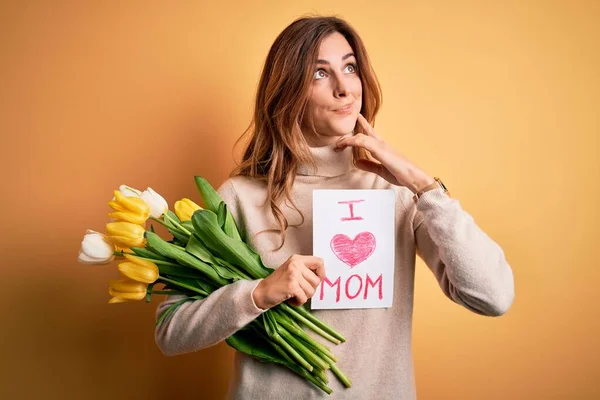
{"x":470,"y":267}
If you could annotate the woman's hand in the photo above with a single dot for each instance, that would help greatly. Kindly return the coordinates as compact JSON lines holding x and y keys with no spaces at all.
{"x":393,"y":167}
{"x":297,"y":278}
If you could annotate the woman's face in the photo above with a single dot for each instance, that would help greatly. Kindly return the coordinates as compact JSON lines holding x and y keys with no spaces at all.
{"x":336,"y":94}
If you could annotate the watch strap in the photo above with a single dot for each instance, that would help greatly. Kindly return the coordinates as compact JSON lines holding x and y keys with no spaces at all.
{"x":435,"y":185}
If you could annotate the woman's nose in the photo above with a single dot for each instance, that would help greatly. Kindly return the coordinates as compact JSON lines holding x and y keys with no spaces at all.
{"x":341,"y":89}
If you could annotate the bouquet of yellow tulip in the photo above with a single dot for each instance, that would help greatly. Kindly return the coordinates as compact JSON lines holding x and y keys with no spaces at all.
{"x":205,"y":253}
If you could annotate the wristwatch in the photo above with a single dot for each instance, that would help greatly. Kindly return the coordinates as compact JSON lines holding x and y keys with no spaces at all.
{"x":435,"y":185}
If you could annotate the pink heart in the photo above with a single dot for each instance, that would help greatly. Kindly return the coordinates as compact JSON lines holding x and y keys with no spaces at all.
{"x":353,"y":252}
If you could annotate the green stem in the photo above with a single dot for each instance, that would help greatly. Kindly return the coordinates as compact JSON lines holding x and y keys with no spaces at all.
{"x":280,"y":341}
{"x":159,"y":262}
{"x":299,"y":317}
{"x":258,"y":328}
{"x":234,"y":269}
{"x":315,"y":380}
{"x":183,"y":285}
{"x":319,"y":323}
{"x":281,"y":319}
{"x":165,"y":292}
{"x":177,"y":224}
{"x":173,"y":229}
{"x":172,"y":308}
{"x":319,"y":373}
{"x":155,"y":261}
{"x":313,"y":359}
{"x":160,"y":221}
{"x":318,"y":348}
{"x":338,"y":372}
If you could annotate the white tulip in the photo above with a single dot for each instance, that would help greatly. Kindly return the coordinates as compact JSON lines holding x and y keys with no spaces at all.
{"x":96,"y":249}
{"x":128,"y":191}
{"x":158,"y":205}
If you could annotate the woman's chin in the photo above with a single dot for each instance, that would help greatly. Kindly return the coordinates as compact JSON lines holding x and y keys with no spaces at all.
{"x":344,"y":127}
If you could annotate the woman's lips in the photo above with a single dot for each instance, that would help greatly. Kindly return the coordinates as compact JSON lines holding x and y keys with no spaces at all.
{"x":347,"y":109}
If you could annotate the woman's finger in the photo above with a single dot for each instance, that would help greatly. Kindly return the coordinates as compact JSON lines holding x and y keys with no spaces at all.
{"x":311,"y":277}
{"x":299,"y":296}
{"x":367,"y":128}
{"x":315,"y":264}
{"x":308,"y":289}
{"x":360,"y":140}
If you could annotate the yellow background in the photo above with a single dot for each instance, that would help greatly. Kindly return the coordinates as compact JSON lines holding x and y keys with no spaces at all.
{"x":500,"y":99}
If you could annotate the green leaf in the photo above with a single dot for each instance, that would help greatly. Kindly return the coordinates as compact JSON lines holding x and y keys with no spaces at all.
{"x":235,"y":270}
{"x":206,"y":286}
{"x":148,"y":290}
{"x":174,"y":307}
{"x":209,"y":195}
{"x":188,"y":225}
{"x":181,"y":237}
{"x":174,"y":230}
{"x":147,"y":253}
{"x":184,"y":258}
{"x":225,"y":273}
{"x":173,"y":216}
{"x":221,"y":245}
{"x":221,"y":214}
{"x":182,"y":271}
{"x":198,"y":283}
{"x":212,"y":201}
{"x":197,"y":248}
{"x":185,"y":285}
{"x":254,"y":345}
{"x":229,"y":226}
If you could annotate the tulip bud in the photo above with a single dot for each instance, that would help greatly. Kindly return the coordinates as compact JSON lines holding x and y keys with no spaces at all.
{"x":128,"y":191}
{"x":95,"y":249}
{"x":125,"y":234}
{"x":129,"y":209}
{"x":127,"y":290}
{"x":184,"y":209}
{"x":139,"y":270}
{"x":158,"y":205}
{"x":117,"y":300}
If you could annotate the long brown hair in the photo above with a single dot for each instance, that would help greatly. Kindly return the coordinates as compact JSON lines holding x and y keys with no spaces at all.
{"x":277,"y":145}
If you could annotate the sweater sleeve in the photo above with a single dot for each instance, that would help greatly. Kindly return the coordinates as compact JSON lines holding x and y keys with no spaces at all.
{"x":469,"y":266}
{"x":202,"y":323}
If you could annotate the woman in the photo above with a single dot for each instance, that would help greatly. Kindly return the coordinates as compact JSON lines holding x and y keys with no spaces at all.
{"x":316,"y":90}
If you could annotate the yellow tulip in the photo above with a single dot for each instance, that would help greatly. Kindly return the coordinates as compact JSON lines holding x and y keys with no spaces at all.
{"x":124,"y":249}
{"x":125,"y":289}
{"x":125,"y":234}
{"x":114,"y":300}
{"x":129,"y":209}
{"x":184,"y":209}
{"x":139,"y":270}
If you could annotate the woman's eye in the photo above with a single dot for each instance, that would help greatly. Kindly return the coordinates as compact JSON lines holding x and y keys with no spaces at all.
{"x":319,"y":74}
{"x":351,"y":68}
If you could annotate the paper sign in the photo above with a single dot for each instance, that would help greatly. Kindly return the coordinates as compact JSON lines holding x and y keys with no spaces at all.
{"x":354,"y":233}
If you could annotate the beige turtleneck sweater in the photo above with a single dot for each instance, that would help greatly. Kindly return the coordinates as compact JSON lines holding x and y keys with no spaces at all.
{"x":470,"y":267}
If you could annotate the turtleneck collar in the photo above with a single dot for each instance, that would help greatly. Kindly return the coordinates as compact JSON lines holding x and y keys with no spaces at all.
{"x":329,"y":162}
